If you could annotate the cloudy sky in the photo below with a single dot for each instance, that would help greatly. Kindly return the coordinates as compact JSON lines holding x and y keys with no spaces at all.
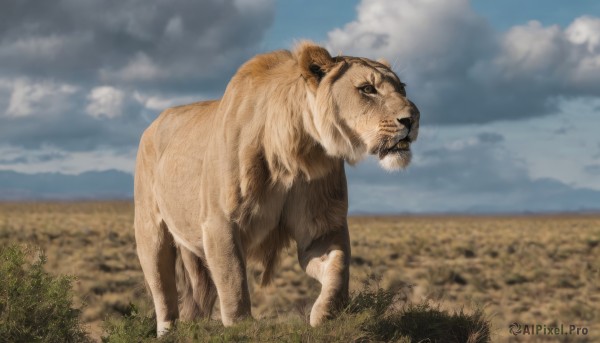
{"x":509,"y":91}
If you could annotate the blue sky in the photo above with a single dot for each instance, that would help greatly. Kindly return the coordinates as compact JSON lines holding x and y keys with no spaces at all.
{"x":292,"y":16}
{"x":509,"y":90}
{"x":504,"y":14}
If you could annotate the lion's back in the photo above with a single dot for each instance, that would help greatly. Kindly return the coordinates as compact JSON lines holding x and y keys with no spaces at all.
{"x":177,"y":123}
{"x":174,"y":141}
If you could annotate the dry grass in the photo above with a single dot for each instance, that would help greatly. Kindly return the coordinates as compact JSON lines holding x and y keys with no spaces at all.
{"x":529,"y":269}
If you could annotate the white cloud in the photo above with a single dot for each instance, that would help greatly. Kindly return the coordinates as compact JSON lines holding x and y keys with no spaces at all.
{"x":105,"y":101}
{"x":11,"y":157}
{"x":437,"y":33}
{"x":140,"y":68}
{"x":41,"y":46}
{"x":459,"y":70}
{"x":532,"y":48}
{"x":471,"y":171}
{"x":160,"y":103}
{"x":44,"y":159}
{"x":585,"y":31}
{"x":28,"y":97}
{"x":174,"y":27}
{"x":167,"y":51}
{"x":566,"y":60}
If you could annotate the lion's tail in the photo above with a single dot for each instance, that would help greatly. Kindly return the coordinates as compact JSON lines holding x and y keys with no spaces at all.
{"x":197,"y":292}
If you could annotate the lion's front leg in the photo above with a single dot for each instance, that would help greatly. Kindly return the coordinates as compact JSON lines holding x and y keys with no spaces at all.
{"x":327,"y":259}
{"x":228,"y":270}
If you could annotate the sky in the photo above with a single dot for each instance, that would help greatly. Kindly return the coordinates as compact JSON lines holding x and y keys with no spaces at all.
{"x":509,"y":91}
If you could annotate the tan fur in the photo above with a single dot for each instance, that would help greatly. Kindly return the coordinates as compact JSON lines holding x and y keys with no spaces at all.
{"x":224,"y":182}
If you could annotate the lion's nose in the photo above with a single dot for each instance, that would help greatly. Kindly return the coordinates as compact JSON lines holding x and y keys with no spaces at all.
{"x":407,"y":122}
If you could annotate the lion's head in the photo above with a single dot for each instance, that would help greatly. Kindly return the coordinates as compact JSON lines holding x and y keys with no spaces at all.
{"x":358,"y":106}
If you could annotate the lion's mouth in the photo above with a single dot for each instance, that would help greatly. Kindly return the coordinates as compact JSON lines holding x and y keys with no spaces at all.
{"x":401,"y":146}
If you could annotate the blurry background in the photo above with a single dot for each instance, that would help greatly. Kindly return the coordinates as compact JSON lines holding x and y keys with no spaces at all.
{"x":509,"y":92}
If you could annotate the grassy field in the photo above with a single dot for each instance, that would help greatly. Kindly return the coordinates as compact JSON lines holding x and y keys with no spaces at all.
{"x":528,"y":269}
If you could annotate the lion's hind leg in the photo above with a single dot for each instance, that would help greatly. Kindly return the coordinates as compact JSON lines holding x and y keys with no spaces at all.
{"x":197,"y":292}
{"x":156,"y":252}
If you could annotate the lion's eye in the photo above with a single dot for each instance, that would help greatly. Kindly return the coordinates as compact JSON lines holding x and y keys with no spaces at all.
{"x":368,"y":89}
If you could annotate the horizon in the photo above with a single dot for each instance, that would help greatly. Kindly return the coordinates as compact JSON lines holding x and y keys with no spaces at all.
{"x":510,"y":104}
{"x":351,"y":213}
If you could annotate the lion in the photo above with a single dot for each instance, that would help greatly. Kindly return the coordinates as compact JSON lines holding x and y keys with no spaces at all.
{"x":222,"y":183}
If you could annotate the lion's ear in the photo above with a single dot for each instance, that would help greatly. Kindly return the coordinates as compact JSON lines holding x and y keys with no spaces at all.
{"x":314,"y":62}
{"x":384,"y":62}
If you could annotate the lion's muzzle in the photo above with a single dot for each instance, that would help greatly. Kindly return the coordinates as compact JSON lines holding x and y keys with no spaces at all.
{"x":396,"y":135}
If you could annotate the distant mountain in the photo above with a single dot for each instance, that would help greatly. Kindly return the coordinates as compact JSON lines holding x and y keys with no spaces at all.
{"x":108,"y":184}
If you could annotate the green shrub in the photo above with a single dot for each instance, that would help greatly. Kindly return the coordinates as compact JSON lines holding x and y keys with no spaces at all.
{"x":35,"y":306}
{"x":131,"y":327}
{"x":393,"y":321}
